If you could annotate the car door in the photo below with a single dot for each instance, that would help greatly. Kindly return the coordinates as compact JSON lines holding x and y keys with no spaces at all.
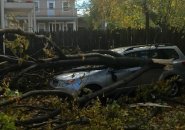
{"x":123,"y":73}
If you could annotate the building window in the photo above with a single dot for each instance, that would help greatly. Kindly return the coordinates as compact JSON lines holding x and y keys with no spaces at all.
{"x":70,"y":26}
{"x":25,"y":26}
{"x":65,"y":6}
{"x":41,"y":27}
{"x":55,"y":26}
{"x":51,"y":4}
{"x":37,"y":5}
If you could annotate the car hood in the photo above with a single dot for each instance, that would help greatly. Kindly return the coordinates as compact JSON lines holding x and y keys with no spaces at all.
{"x":76,"y":75}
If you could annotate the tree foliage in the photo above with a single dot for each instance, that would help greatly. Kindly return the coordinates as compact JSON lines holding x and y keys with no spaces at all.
{"x":131,"y":13}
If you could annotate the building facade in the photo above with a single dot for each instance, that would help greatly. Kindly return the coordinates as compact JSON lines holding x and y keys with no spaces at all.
{"x":39,"y":15}
{"x":56,"y":15}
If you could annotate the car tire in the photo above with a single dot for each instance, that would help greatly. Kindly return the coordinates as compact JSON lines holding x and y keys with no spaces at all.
{"x":89,"y":89}
{"x":174,"y":87}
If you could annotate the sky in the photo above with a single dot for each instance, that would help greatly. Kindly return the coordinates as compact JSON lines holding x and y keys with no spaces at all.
{"x":81,"y":1}
{"x":81,"y":9}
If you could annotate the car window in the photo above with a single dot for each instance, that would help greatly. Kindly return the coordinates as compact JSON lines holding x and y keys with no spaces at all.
{"x":141,"y":54}
{"x":155,"y":53}
{"x":163,"y":54}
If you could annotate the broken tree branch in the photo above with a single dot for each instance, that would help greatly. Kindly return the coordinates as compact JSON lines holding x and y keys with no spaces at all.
{"x":32,"y":34}
{"x":82,"y":121}
{"x":149,"y":104}
{"x":38,"y":119}
{"x":86,"y":98}
{"x":59,"y":93}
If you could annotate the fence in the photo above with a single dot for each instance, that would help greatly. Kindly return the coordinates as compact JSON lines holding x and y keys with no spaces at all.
{"x":105,"y":39}
{"x":87,"y":40}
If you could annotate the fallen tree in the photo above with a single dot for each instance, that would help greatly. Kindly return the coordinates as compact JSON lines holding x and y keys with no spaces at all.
{"x":10,"y":65}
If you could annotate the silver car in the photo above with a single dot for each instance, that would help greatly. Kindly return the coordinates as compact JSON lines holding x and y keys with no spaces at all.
{"x":157,"y":52}
{"x":93,"y":79}
{"x":99,"y":78}
{"x":76,"y":82}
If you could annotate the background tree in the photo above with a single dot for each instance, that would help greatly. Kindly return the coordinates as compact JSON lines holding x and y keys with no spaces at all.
{"x":131,"y":13}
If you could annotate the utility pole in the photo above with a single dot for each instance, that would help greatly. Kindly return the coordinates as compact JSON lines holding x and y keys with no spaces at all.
{"x":2,"y":22}
{"x":2,"y":14}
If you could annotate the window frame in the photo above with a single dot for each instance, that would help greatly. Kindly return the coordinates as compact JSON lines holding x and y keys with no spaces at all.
{"x":53,"y":26}
{"x":43,"y":24}
{"x":37,"y":2}
{"x":67,"y":8}
{"x":51,"y":2}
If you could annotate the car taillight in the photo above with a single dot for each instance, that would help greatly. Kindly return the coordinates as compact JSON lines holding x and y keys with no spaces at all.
{"x":183,"y":62}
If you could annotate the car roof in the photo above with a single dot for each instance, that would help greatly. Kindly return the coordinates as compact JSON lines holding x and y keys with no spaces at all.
{"x":141,"y":47}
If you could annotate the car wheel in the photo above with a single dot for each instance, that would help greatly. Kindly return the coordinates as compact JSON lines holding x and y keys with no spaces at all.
{"x":174,"y":86}
{"x":89,"y":89}
{"x":173,"y":89}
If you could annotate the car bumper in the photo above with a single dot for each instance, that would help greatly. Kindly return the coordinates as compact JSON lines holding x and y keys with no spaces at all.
{"x":67,"y":90}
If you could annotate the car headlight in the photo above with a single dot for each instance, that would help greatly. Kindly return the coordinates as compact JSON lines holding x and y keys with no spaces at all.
{"x":70,"y":81}
{"x":63,"y":83}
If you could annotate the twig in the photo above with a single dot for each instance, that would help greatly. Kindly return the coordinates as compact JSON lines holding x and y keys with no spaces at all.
{"x":33,"y":107}
{"x":149,"y":104}
{"x":12,"y":59}
{"x":38,"y":119}
{"x":59,"y":93}
{"x":3,"y":63}
{"x":81,"y":121}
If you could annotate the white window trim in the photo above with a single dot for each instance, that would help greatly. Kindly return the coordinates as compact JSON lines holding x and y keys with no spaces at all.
{"x":74,"y":25}
{"x":61,"y":26}
{"x":63,"y":6}
{"x":25,"y":26}
{"x":38,"y":9}
{"x":51,"y":1}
